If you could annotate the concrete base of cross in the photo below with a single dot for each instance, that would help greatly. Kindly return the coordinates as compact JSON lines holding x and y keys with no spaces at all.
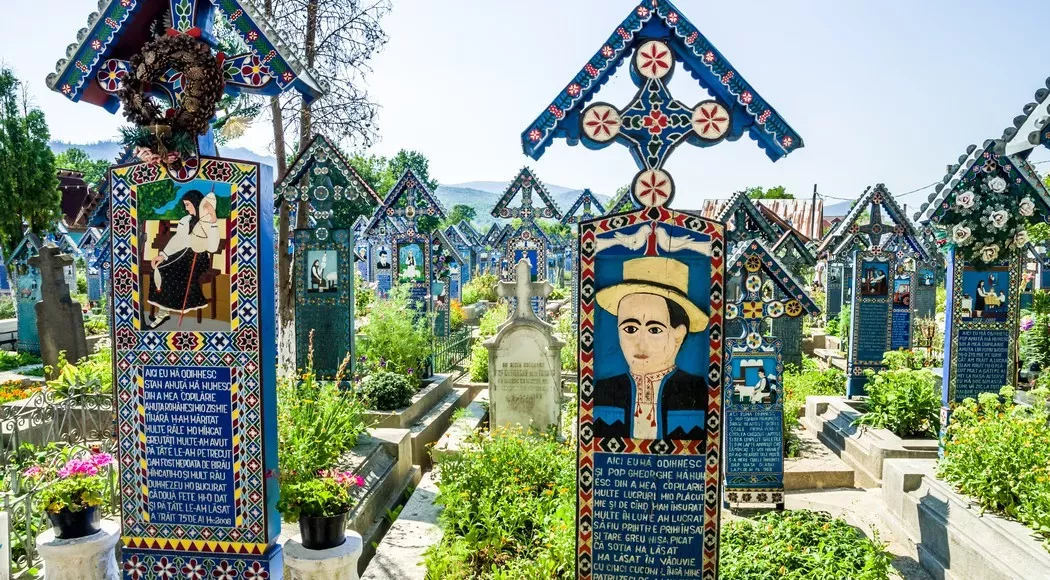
{"x":89,"y":558}
{"x":338,"y":563}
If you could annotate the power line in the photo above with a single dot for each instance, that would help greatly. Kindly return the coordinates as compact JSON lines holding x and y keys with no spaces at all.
{"x":898,"y":196}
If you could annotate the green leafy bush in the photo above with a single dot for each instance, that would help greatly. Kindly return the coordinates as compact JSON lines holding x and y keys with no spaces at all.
{"x":81,"y":284}
{"x":799,"y":545}
{"x":7,"y":306}
{"x":904,"y":360}
{"x":95,"y":325}
{"x":330,"y":493}
{"x":394,"y":338}
{"x":480,"y":288}
{"x":510,"y":506}
{"x":317,"y":423}
{"x":12,"y":360}
{"x":907,"y":402}
{"x":385,"y":391}
{"x":831,"y":327}
{"x":457,"y":318}
{"x":810,"y":381}
{"x":999,"y":453}
{"x":842,"y":332}
{"x":364,"y":295}
{"x":93,"y":375}
{"x":557,"y":293}
{"x":479,"y":355}
{"x":564,"y":329}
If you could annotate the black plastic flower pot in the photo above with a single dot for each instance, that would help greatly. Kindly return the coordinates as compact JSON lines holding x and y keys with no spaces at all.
{"x":69,"y":525}
{"x":322,"y":533}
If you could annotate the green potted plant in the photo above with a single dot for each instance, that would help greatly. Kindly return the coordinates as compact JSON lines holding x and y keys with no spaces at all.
{"x":320,"y":505}
{"x":71,"y":495}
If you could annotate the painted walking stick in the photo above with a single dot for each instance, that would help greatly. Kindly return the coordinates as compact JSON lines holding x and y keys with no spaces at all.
{"x":186,"y":296}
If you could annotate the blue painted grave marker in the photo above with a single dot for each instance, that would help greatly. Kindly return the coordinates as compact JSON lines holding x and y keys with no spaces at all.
{"x":871,"y":318}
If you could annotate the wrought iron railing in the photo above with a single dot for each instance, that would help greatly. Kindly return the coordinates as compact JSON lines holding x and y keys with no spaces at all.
{"x":449,"y":351}
{"x":82,"y":422}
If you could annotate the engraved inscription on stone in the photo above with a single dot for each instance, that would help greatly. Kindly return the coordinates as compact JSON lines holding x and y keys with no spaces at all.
{"x":524,"y":383}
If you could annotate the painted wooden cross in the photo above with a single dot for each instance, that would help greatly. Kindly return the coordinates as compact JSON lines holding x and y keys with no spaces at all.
{"x":523,"y":290}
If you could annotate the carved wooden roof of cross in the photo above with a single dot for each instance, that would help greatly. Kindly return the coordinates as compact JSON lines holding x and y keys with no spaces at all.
{"x":409,"y":199}
{"x":585,"y":207}
{"x":751,"y":262}
{"x":899,"y":235}
{"x":525,"y":184}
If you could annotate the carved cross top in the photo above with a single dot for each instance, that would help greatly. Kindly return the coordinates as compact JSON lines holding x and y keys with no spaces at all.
{"x":523,"y":289}
{"x":51,"y":263}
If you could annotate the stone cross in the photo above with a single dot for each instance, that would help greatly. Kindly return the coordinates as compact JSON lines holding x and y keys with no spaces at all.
{"x":523,"y":289}
{"x":59,"y":320}
{"x":51,"y":264}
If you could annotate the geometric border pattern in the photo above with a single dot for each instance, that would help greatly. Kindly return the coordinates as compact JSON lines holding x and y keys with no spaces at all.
{"x":238,"y":348}
{"x":589,"y":444}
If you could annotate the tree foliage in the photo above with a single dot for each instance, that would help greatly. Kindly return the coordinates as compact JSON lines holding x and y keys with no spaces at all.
{"x":78,"y":160}
{"x":382,"y":173}
{"x":28,"y":185}
{"x":460,"y":213}
{"x":778,"y":192}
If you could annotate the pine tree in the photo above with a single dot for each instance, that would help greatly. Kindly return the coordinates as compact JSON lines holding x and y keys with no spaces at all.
{"x":28,"y":185}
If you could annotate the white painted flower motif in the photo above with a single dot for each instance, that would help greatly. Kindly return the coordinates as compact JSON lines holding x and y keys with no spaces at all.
{"x":998,"y":184}
{"x":990,"y":252}
{"x":998,"y":218}
{"x":1021,"y":238}
{"x":961,"y":234}
{"x":1026,"y":207}
{"x":966,"y":199}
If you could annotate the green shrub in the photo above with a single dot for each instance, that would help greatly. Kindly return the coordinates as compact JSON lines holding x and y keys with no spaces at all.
{"x":364,"y":295}
{"x":388,"y":391}
{"x":93,"y":375}
{"x":393,"y":338}
{"x":999,"y":453}
{"x":904,"y":360}
{"x":557,"y":293}
{"x":842,"y":332}
{"x":907,"y":402}
{"x":81,"y":284}
{"x":457,"y":318}
{"x":564,"y":329}
{"x":831,"y":327}
{"x":317,"y":422}
{"x":509,"y":509}
{"x":799,"y":384}
{"x":479,"y":355}
{"x":95,"y":325}
{"x":7,"y":306}
{"x":324,"y":495}
{"x":799,"y":545}
{"x":480,"y":288}
{"x":12,"y":360}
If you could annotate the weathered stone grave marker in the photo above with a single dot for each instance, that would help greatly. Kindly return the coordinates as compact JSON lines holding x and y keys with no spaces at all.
{"x":60,"y":320}
{"x":754,"y":373}
{"x":524,"y":361}
{"x":651,"y":304}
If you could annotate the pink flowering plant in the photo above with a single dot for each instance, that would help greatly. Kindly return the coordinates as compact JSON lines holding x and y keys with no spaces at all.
{"x":78,"y":484}
{"x":330,"y":493}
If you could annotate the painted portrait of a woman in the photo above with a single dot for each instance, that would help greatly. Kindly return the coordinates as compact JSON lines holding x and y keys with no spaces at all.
{"x":185,"y":258}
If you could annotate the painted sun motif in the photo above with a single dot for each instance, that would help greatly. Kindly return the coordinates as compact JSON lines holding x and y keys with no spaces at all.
{"x":711,"y":120}
{"x":654,"y":60}
{"x":653,"y":188}
{"x":601,"y":123}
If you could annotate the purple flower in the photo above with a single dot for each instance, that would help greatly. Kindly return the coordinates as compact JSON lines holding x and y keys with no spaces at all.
{"x":33,"y":472}
{"x":1027,"y":323}
{"x":410,"y":371}
{"x":78,"y":468}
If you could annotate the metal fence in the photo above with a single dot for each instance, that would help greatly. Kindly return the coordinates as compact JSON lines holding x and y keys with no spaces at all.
{"x":449,"y":351}
{"x":46,"y":428}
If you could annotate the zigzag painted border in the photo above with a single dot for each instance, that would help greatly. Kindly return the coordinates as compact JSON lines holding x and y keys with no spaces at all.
{"x":588,"y":444}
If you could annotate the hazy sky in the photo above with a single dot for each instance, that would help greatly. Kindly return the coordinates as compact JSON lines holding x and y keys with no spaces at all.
{"x":889,"y":91}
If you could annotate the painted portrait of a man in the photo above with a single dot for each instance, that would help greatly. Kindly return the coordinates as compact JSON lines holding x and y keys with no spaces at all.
{"x":655,"y":399}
